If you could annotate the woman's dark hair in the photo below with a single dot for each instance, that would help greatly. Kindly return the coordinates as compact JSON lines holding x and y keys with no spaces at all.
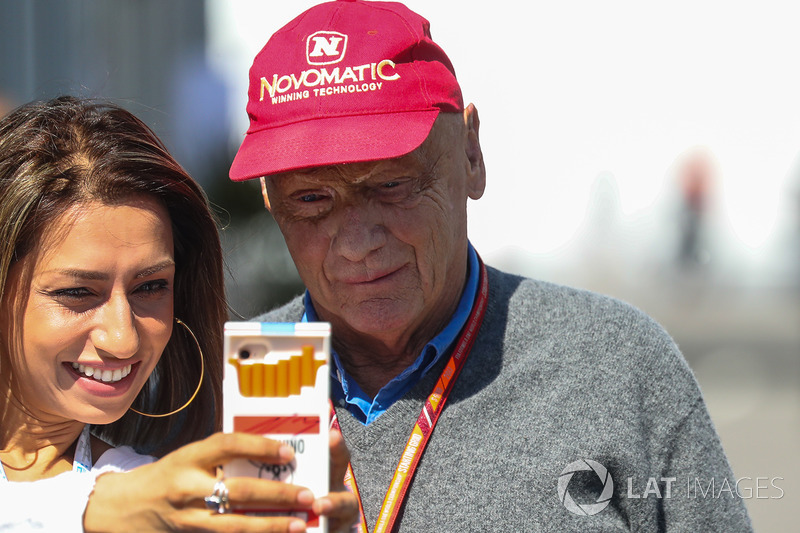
{"x":68,"y":151}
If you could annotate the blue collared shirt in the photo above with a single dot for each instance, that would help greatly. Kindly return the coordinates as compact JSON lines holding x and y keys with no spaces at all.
{"x":346,"y":392}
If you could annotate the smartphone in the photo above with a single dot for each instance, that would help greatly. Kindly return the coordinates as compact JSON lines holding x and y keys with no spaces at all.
{"x":276,"y":384}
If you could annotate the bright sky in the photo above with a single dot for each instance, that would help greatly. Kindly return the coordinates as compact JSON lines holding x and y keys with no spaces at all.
{"x":571,"y":92}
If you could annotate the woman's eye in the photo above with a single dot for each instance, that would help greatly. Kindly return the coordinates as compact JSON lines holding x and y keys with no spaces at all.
{"x":71,"y":293}
{"x":153,"y":287}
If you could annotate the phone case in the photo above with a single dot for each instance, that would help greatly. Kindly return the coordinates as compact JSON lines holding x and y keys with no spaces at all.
{"x":276,"y":384}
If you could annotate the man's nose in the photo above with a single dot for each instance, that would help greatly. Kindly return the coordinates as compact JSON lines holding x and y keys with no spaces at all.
{"x":360,"y":231}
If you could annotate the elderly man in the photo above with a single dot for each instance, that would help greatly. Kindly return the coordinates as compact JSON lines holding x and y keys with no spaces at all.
{"x":470,"y":399}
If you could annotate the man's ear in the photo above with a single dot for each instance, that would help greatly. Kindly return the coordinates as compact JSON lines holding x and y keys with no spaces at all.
{"x":476,"y":181}
{"x":264,"y":194}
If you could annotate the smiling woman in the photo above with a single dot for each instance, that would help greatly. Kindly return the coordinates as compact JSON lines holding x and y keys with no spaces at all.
{"x":111,"y":317}
{"x":98,"y":310}
{"x":105,"y":240}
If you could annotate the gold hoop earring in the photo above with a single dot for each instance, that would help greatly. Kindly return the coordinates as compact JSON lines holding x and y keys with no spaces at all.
{"x":200,"y":384}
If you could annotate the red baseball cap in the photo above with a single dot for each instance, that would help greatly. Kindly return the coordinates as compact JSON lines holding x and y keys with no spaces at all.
{"x":345,"y":81}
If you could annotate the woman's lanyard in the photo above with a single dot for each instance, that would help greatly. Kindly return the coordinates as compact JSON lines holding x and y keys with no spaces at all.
{"x":83,"y":455}
{"x":404,"y":472}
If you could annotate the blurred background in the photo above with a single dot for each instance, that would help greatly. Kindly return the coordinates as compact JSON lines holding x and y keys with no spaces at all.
{"x":649,"y":152}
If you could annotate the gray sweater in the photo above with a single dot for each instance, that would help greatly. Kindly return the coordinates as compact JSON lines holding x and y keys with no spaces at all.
{"x":556,"y":375}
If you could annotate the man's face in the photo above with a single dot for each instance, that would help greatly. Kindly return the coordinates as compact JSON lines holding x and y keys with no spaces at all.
{"x":382,"y":246}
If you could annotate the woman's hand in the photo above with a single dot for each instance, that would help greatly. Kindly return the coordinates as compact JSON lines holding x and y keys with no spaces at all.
{"x":340,"y":505}
{"x":168,"y":494}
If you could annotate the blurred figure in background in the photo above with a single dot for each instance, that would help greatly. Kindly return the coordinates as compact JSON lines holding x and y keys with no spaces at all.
{"x":696,"y":177}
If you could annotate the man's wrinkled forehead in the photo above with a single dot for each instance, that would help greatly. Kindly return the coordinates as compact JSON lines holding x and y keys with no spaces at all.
{"x":355,"y":173}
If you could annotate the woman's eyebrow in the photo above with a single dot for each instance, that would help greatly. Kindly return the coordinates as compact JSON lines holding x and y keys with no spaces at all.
{"x":78,"y":273}
{"x":158,"y":267}
{"x":93,"y":275}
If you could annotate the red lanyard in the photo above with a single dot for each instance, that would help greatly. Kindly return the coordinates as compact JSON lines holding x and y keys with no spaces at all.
{"x":404,"y":472}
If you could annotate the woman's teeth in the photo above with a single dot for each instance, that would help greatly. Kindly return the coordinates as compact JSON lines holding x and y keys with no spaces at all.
{"x":107,"y":376}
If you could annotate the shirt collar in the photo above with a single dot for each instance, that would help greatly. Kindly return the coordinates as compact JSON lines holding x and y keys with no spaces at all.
{"x":347,"y":393}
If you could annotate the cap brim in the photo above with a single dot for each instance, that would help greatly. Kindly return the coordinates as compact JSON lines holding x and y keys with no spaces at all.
{"x":330,"y":141}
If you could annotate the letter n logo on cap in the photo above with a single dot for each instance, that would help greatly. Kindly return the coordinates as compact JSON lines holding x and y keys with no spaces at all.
{"x":325,"y":47}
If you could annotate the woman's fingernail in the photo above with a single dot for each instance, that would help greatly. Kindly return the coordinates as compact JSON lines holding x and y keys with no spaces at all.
{"x":305,"y":497}
{"x":297,"y":526}
{"x":286,"y":452}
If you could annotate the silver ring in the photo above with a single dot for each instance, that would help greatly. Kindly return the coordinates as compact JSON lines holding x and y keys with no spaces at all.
{"x":218,"y":501}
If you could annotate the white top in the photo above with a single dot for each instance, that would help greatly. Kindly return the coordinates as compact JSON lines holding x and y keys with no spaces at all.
{"x":57,"y":504}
